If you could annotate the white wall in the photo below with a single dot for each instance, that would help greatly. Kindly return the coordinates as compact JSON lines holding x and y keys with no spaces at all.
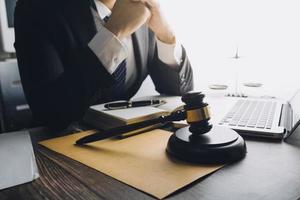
{"x":266,"y":32}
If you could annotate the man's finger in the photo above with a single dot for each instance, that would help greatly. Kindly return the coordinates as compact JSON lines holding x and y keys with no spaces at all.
{"x":152,"y":3}
{"x":143,"y":1}
{"x":148,"y":3}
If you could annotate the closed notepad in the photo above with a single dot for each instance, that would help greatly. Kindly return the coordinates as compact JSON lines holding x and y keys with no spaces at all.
{"x":102,"y":118}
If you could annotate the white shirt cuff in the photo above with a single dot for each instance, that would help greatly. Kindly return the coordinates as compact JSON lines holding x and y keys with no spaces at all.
{"x":170,"y":54}
{"x":109,"y":49}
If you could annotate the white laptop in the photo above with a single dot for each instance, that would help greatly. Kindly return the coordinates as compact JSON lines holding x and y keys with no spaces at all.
{"x":269,"y":118}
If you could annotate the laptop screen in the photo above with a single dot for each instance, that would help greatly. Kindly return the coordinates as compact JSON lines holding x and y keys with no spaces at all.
{"x":10,"y":8}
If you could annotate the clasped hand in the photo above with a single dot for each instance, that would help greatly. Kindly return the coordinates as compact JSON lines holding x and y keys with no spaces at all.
{"x":129,"y":15}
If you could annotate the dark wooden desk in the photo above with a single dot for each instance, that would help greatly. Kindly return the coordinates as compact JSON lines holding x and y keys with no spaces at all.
{"x":271,"y":170}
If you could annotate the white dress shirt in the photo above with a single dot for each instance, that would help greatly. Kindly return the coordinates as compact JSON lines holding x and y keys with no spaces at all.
{"x":111,"y":51}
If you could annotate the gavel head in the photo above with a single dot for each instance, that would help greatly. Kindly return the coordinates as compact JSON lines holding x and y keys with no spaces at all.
{"x":197,"y":112}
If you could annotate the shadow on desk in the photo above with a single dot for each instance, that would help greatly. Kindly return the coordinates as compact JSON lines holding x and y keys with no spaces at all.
{"x":294,"y":139}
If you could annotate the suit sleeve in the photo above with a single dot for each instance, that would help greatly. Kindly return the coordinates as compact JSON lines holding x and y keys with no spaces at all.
{"x":167,"y":79}
{"x":57,"y":90}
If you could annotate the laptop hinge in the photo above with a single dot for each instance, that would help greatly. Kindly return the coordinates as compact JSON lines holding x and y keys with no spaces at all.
{"x":286,"y":119}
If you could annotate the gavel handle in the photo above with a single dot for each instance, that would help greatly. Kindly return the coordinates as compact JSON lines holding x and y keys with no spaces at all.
{"x":175,"y":116}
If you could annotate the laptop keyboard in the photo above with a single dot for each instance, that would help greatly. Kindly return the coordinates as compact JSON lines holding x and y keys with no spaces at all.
{"x":251,"y":113}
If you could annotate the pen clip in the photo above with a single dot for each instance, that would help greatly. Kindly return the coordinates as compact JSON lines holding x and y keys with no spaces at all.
{"x":162,"y":102}
{"x":116,"y":107}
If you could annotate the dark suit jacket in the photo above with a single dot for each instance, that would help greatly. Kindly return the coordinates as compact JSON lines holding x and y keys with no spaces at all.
{"x":61,"y":76}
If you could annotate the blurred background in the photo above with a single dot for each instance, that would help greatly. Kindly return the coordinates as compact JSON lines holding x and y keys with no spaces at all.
{"x":265,"y":32}
{"x":229,"y":42}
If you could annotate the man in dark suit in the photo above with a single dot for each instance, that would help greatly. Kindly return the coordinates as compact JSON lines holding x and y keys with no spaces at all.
{"x":76,"y":53}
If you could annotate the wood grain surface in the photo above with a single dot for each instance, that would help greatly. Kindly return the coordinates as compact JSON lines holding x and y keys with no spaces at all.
{"x":270,"y":171}
{"x":63,"y":178}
